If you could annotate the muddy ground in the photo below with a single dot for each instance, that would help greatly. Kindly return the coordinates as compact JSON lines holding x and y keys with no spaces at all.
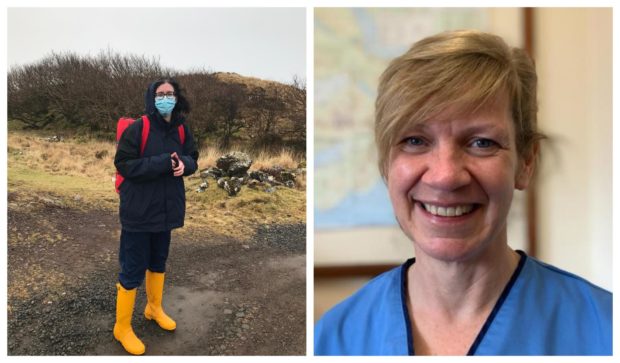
{"x":228,"y":296}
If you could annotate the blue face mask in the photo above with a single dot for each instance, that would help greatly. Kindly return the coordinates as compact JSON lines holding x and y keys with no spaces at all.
{"x":165,"y":105}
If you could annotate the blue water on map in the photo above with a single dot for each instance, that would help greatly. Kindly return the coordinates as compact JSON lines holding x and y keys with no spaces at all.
{"x":370,"y":208}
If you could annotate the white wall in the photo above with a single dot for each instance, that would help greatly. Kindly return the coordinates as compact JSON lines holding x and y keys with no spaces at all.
{"x":573,"y":50}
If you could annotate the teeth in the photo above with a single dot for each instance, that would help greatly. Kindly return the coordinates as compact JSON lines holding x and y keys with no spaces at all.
{"x":448,"y":211}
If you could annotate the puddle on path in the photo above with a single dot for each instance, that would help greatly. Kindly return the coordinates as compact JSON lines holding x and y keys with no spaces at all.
{"x":194,"y":311}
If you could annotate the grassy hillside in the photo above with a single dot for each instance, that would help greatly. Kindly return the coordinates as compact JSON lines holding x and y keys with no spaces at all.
{"x":78,"y":173}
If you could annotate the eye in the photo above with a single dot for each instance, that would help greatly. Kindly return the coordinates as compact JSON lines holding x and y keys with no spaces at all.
{"x":413,"y":144}
{"x":483,"y":143}
{"x":483,"y":147}
{"x":414,"y":141}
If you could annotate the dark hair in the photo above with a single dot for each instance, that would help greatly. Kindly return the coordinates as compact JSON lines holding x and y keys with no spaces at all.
{"x":182,"y":105}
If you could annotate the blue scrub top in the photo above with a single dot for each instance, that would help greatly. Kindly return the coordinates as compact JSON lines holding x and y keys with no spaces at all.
{"x":542,"y":311}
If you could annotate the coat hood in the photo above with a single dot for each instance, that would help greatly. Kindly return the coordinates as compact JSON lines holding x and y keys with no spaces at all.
{"x":151,"y":110}
{"x":149,"y":100}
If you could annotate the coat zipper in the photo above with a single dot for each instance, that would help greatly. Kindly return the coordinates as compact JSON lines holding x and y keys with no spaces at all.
{"x":165,"y":189}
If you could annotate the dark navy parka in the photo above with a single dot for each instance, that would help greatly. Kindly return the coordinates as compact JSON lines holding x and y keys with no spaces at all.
{"x":152,"y":199}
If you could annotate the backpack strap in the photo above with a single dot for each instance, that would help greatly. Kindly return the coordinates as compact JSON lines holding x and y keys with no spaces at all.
{"x":125,"y":122}
{"x":182,"y":134}
{"x":146,"y":126}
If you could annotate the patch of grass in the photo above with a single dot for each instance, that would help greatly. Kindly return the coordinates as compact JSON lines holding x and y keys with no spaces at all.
{"x":285,"y":158}
{"x":239,"y":216}
{"x":208,"y":157}
{"x":246,"y":80}
{"x":92,"y":159}
{"x":78,"y":174}
{"x":67,"y":190}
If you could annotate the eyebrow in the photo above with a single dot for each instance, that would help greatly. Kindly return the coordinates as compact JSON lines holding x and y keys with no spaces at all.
{"x":479,"y":127}
{"x":486,"y":126}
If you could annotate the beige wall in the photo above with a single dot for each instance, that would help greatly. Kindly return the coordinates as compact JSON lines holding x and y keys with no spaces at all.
{"x":573,"y":50}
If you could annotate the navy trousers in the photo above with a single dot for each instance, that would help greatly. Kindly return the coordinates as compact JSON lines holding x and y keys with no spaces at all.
{"x":140,"y":251}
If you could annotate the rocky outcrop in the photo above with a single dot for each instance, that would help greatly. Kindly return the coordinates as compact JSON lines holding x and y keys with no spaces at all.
{"x":232,"y":185}
{"x":235,"y":164}
{"x":213,"y":172}
{"x":232,"y":173}
{"x":203,"y":186}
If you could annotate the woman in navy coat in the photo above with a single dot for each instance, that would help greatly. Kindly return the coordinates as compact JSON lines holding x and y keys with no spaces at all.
{"x":152,"y":203}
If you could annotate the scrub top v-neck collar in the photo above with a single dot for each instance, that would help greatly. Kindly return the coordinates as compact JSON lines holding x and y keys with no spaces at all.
{"x":487,"y":323}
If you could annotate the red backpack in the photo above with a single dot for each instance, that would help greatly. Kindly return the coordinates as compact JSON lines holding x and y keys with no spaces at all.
{"x":122,"y":124}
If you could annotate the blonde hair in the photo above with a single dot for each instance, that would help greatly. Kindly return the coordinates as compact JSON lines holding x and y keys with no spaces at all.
{"x":463,"y":70}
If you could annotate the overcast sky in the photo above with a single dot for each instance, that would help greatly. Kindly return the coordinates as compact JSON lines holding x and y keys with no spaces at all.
{"x":268,"y":43}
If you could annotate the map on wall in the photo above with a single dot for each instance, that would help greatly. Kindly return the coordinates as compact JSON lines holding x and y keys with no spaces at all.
{"x":352,"y":48}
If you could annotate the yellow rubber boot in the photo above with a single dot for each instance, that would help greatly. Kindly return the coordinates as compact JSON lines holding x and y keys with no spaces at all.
{"x":125,"y":300}
{"x":154,"y":293}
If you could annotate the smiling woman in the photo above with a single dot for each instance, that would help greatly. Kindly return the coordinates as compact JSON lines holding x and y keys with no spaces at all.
{"x":456,"y":132}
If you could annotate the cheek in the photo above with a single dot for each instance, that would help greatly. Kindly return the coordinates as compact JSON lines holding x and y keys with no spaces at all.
{"x":402,"y":176}
{"x":498,"y":180}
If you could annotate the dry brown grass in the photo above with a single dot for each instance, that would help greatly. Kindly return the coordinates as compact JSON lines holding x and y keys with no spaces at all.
{"x":93,"y":159}
{"x":80,"y":175}
{"x":246,"y":80}
{"x":285,"y":159}
{"x":208,"y":157}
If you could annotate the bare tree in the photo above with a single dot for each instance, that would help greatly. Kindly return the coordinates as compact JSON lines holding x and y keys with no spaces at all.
{"x":229,"y":99}
{"x":297,"y":112}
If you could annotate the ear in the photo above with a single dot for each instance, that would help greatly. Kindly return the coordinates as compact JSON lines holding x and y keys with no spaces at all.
{"x":525,"y":170}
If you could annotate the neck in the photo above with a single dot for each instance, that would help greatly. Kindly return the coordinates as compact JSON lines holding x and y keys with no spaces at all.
{"x":167,"y":117}
{"x":460,"y":289}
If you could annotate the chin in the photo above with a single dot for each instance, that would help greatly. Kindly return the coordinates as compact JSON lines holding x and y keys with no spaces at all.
{"x":449,"y":250}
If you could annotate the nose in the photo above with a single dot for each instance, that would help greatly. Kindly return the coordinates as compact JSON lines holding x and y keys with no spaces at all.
{"x":447,"y":169}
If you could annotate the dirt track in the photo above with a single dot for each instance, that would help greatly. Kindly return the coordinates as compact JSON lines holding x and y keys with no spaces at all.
{"x":229,"y":297}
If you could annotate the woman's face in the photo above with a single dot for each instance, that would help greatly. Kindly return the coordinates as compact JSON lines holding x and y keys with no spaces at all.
{"x":451,"y":181}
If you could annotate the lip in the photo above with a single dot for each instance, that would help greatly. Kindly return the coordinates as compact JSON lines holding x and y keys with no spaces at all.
{"x":437,"y":219}
{"x":443,"y":203}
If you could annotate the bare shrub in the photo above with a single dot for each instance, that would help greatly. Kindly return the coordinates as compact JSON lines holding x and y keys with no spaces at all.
{"x":86,"y":95}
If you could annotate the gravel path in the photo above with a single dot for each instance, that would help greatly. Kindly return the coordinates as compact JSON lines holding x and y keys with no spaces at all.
{"x":229,"y":297}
